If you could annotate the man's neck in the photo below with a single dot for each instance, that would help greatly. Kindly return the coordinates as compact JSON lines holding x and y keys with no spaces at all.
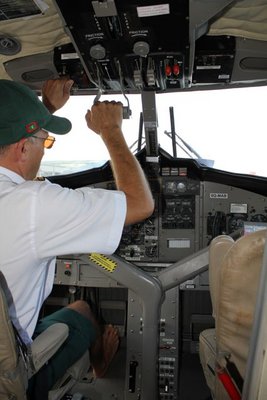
{"x":13,"y":176}
{"x":10,"y":166}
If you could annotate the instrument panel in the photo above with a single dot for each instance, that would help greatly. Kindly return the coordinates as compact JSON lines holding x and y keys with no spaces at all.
{"x":188,"y":214}
{"x":193,"y":204}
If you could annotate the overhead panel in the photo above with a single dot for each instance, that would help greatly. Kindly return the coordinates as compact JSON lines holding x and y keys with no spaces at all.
{"x":130,"y":45}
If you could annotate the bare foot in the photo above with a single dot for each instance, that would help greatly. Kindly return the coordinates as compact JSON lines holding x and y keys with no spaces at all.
{"x":110,"y":344}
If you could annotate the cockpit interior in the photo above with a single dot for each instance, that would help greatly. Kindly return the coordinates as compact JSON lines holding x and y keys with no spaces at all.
{"x":156,"y":287}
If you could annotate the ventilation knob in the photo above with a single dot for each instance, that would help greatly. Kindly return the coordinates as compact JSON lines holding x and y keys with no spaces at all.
{"x":9,"y":45}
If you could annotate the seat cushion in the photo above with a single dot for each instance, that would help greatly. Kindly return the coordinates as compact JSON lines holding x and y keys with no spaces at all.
{"x":217,"y":251}
{"x":81,"y":335}
{"x":207,"y":353}
{"x":75,"y":373}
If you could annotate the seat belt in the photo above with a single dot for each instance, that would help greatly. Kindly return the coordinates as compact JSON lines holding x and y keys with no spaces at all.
{"x":227,"y":380}
{"x":234,"y":373}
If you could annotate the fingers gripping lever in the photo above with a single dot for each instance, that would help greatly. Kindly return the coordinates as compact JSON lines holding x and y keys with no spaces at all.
{"x":126,"y":113}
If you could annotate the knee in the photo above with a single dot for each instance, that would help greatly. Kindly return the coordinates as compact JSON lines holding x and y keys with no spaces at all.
{"x":82,"y":307}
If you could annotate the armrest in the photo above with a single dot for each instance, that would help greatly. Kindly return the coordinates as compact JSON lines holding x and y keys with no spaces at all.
{"x":46,"y":344}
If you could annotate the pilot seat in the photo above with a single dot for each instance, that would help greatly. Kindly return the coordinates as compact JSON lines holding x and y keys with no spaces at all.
{"x":234,"y":272}
{"x":18,"y":362}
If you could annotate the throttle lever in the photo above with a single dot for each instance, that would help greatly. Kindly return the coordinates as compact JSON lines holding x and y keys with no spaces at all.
{"x":126,"y":111}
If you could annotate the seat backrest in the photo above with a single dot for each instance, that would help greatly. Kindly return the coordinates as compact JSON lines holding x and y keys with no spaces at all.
{"x":13,"y":373}
{"x":234,"y":278}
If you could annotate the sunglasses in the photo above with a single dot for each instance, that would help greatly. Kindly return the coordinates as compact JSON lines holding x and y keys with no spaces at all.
{"x":48,"y":141}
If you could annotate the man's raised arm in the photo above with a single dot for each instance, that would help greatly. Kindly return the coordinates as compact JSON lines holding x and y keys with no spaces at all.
{"x":105,"y":118}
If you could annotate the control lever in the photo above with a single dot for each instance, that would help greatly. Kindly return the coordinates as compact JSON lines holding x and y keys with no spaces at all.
{"x":126,"y":111}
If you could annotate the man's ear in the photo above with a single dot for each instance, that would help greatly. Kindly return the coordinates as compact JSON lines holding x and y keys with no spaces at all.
{"x":22,"y":149}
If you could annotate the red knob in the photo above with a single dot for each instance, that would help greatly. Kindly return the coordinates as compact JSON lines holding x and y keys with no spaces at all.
{"x":168,"y":70}
{"x":176,"y":69}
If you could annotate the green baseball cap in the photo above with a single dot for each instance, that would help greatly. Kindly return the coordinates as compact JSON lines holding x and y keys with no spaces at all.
{"x":22,"y":114}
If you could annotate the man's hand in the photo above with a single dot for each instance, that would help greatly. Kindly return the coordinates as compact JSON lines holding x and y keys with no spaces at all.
{"x":56,"y":92}
{"x":104,"y":116}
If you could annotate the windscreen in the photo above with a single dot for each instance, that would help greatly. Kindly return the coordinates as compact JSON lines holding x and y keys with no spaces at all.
{"x":225,"y":129}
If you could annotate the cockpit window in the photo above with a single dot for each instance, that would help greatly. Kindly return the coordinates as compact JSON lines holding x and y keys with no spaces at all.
{"x":224,"y":129}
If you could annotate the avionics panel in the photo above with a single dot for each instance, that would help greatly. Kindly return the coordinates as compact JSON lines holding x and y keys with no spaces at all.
{"x":227,"y":208}
{"x":172,"y":231}
{"x":188,"y":214}
{"x":190,"y":210}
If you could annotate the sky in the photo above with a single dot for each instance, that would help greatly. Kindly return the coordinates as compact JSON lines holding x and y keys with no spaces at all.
{"x":227,"y":126}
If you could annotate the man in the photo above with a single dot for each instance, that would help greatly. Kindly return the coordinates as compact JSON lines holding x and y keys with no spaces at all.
{"x":41,"y":220}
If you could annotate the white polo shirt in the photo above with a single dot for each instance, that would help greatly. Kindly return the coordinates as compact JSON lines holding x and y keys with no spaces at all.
{"x":40,"y":221}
